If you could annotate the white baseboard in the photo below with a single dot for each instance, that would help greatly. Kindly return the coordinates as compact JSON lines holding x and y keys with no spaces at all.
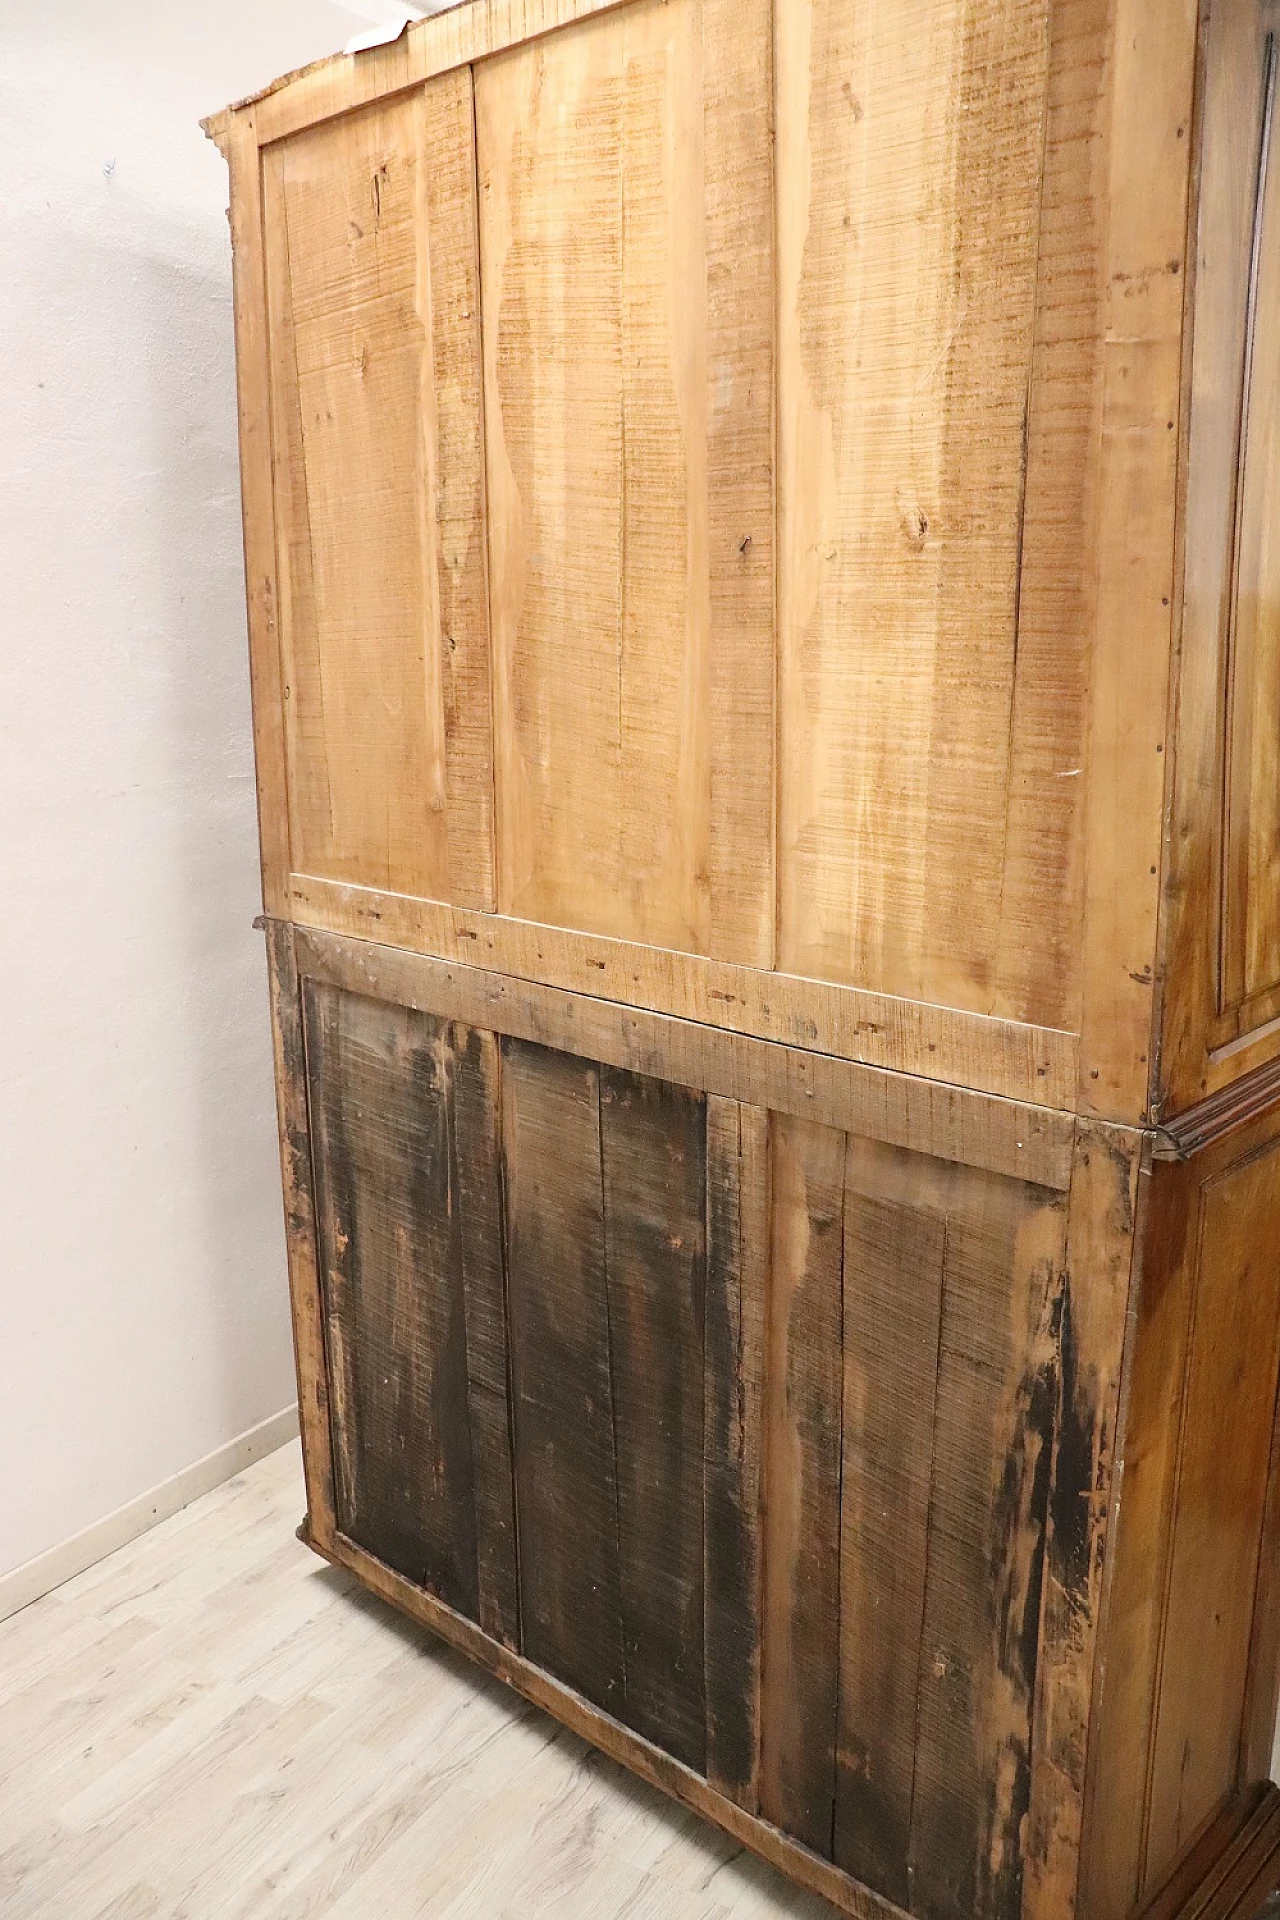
{"x":70,"y":1557}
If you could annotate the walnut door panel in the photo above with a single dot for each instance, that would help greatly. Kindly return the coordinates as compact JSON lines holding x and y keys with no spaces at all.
{"x":764,"y":1436}
{"x":1187,"y":1710}
{"x":1225,"y":899}
{"x":373,"y":325}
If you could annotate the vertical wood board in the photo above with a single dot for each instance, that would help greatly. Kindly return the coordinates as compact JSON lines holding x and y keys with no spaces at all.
{"x":373,"y":320}
{"x":627,"y":374}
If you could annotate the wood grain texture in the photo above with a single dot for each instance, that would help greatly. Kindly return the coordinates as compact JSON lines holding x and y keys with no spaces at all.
{"x":439,"y":44}
{"x":895,"y":1250}
{"x":374,"y":335}
{"x":1037,"y":946}
{"x":625,"y":557}
{"x":802,"y":1482}
{"x":305,"y":1298}
{"x":738,"y":134}
{"x":380,"y":1082}
{"x":906,"y":300}
{"x":653,"y":1155}
{"x":1096,"y":1298}
{"x":739,"y":1215}
{"x":1148,"y":146}
{"x":941,"y":1043}
{"x":561,"y":1373}
{"x":453,"y":415}
{"x":476,"y":1195}
{"x":994,"y":1425}
{"x":253,"y":394}
{"x":1031,"y":1143}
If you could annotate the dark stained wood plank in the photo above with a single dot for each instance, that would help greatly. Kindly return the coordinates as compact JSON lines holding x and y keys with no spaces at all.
{"x":895,"y":1240}
{"x":802,"y":1483}
{"x":1090,"y":1336}
{"x":996,"y":1399}
{"x":653,"y":1155}
{"x":380,"y":1080}
{"x":478,"y":1186}
{"x":738,"y":1221}
{"x":566,"y":1485}
{"x":300,"y":1227}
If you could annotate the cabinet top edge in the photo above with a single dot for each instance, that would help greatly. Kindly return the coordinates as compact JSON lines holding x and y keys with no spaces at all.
{"x":340,"y":83}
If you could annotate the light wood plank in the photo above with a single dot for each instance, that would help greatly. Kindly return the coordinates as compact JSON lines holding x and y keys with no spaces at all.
{"x":910,"y":142}
{"x":373,"y":301}
{"x":1152,"y":60}
{"x":253,"y":390}
{"x":629,"y":518}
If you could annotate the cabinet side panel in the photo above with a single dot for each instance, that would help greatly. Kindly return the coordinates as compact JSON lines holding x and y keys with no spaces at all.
{"x":374,"y":343}
{"x":910,"y":149}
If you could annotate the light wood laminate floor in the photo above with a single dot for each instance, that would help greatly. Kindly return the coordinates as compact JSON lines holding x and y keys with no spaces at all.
{"x":212,"y":1724}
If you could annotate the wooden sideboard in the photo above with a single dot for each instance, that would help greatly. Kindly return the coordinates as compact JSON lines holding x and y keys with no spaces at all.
{"x":764,"y":611}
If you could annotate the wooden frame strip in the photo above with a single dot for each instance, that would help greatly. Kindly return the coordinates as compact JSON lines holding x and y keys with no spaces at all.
{"x":618,"y":1742}
{"x":1037,"y":1065}
{"x":257,"y":493}
{"x":1004,"y":1136}
{"x":343,"y":82}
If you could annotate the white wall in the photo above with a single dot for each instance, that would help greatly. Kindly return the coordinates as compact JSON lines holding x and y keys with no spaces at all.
{"x":143,"y":1312}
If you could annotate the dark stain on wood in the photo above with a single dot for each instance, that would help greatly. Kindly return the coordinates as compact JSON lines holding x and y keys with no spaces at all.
{"x":997,"y":1398}
{"x":381,"y":1099}
{"x":895,"y":1256}
{"x":803,"y":1411}
{"x":652,"y":1137}
{"x":477,"y":1183}
{"x":738,"y":1211}
{"x":561,"y":1376}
